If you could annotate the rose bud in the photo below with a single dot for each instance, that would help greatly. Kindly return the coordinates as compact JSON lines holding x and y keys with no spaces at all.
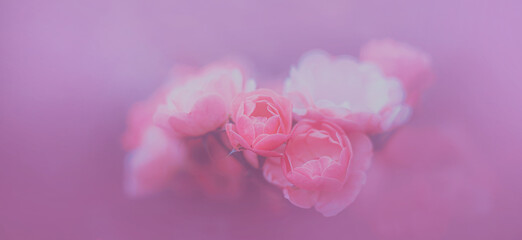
{"x":326,"y":167}
{"x":202,"y":103}
{"x":262,"y":121}
{"x":409,"y":65}
{"x":356,"y":96}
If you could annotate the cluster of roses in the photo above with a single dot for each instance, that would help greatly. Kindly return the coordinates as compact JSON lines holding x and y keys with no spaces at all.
{"x":210,"y":126}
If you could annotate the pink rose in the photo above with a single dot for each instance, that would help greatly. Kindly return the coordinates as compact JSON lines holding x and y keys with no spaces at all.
{"x":325,"y":166}
{"x":409,"y":65}
{"x":202,"y":103}
{"x":354,"y":95}
{"x":152,"y":166}
{"x":262,"y":122}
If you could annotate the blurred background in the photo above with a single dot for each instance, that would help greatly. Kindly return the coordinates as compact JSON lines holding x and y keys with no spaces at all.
{"x":70,"y":70}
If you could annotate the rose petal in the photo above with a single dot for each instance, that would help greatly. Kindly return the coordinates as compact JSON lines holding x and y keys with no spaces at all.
{"x":245,"y":128}
{"x":269,"y":141}
{"x":235,"y":139}
{"x":301,"y":198}
{"x":207,"y":114}
{"x":333,"y":202}
{"x":274,"y":174}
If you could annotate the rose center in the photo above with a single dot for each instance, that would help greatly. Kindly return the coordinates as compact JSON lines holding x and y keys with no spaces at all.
{"x":314,"y":147}
{"x":261,"y":110}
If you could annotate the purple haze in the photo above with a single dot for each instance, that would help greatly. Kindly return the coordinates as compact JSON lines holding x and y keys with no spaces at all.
{"x":70,"y":70}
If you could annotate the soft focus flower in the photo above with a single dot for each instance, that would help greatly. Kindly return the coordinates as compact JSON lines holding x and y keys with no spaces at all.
{"x":325,"y":166}
{"x":156,"y":155}
{"x":181,"y":139}
{"x":140,"y":118}
{"x":409,"y":65}
{"x":151,"y":167}
{"x":262,"y":122}
{"x":202,"y":103}
{"x":354,"y":95}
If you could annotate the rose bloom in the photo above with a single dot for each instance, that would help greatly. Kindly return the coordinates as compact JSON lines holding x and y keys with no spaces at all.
{"x":354,"y":95}
{"x":262,"y":122}
{"x":322,"y":167}
{"x":202,"y":103}
{"x":409,"y":65}
{"x":151,"y":167}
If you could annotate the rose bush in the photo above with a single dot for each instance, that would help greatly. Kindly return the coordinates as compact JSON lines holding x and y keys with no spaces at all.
{"x":209,"y":130}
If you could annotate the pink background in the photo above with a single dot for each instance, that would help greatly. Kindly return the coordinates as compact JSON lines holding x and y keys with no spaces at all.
{"x":69,"y":71}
